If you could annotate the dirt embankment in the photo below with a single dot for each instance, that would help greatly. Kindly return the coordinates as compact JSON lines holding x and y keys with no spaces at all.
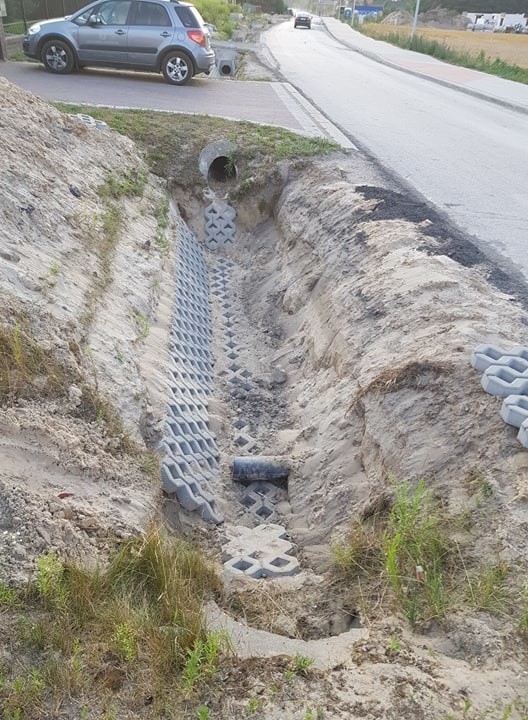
{"x":80,"y":279}
{"x":358,"y":323}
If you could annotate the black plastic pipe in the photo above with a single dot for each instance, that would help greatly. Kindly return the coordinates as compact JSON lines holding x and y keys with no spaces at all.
{"x":248,"y":469}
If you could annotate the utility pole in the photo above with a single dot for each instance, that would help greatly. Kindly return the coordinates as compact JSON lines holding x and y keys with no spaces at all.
{"x":353,"y":11}
{"x":3,"y":45}
{"x":415,"y":19}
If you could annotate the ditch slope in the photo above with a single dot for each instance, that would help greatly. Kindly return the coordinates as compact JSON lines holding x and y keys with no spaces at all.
{"x":355,"y":312}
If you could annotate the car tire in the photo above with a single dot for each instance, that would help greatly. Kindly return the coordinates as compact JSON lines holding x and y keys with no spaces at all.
{"x":57,"y":57}
{"x":177,"y":67}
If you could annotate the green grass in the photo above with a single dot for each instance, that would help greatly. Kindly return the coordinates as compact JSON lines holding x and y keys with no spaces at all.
{"x":406,"y":558}
{"x":414,"y":538}
{"x":426,"y":46}
{"x":173,"y":142}
{"x":125,"y":184}
{"x":80,"y":630}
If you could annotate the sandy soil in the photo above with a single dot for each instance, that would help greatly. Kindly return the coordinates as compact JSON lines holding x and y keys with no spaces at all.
{"x":358,"y":310}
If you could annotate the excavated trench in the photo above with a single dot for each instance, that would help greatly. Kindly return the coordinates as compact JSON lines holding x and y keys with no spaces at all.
{"x":297,"y":385}
{"x":229,"y":430}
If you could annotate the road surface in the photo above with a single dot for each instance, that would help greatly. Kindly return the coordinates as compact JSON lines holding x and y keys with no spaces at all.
{"x":465,"y":155}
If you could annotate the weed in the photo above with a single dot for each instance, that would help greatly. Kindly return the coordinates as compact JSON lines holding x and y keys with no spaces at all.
{"x":252,"y":706}
{"x":162,"y":217}
{"x":144,"y":608}
{"x":394,"y":645}
{"x":361,"y":553}
{"x":54,"y":269}
{"x":128,"y":183}
{"x":8,"y":596}
{"x":415,"y":553}
{"x":203,"y":713}
{"x":202,"y":658}
{"x":309,"y":714}
{"x":22,"y":360}
{"x":124,"y":640}
{"x":23,"y":695}
{"x":523,"y":620}
{"x":50,"y":580}
{"x":288,"y":674}
{"x":487,"y":589}
{"x":150,"y":464}
{"x":110,"y":712}
{"x":142,"y":325}
{"x":408,"y":550}
{"x":301,"y":664}
{"x":478,"y":484}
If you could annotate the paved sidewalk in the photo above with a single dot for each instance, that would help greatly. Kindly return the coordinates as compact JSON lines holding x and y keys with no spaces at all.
{"x":273,"y":103}
{"x":495,"y":89}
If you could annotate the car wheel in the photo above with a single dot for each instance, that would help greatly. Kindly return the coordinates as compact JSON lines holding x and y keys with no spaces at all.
{"x":177,"y":67}
{"x":57,"y":57}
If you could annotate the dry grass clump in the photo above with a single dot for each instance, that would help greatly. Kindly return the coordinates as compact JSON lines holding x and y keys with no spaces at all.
{"x":415,"y":375}
{"x":132,"y":632}
{"x":26,"y":368}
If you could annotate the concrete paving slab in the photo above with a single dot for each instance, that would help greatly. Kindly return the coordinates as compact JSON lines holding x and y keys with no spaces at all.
{"x":271,"y":103}
{"x":247,"y":642}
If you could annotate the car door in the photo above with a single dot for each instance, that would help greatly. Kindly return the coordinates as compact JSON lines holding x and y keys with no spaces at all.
{"x":149,"y":32}
{"x":102,"y":37}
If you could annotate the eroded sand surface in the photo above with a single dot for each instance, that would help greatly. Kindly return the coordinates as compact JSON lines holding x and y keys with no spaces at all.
{"x":357,"y":326}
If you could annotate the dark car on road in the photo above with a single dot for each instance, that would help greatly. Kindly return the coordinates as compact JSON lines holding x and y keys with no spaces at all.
{"x":302,"y":20}
{"x":155,"y":35}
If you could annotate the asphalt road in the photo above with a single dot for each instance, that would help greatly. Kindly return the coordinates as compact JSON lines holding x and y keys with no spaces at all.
{"x":464,"y":154}
{"x":467,"y":156}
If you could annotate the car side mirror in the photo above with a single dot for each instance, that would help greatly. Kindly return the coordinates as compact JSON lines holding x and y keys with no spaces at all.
{"x":94,"y":20}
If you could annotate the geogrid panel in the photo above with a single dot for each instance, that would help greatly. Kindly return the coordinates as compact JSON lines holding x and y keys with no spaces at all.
{"x":191,"y":453}
{"x":263,"y":551}
{"x":220,"y":226}
{"x":506,"y":375}
{"x":485,"y":355}
{"x":238,"y":377}
{"x":261,"y":497}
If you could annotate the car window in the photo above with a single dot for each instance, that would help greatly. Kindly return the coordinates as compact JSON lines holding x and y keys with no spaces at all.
{"x":189,"y":16}
{"x":148,"y":13}
{"x":114,"y":12}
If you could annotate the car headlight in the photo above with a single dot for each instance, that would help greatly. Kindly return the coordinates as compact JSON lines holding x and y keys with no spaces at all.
{"x":34,"y":29}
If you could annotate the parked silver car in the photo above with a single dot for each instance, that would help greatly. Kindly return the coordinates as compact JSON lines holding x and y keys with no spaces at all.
{"x":158,"y":35}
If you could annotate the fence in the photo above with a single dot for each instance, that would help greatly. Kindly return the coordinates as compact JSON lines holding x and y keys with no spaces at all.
{"x":22,"y":13}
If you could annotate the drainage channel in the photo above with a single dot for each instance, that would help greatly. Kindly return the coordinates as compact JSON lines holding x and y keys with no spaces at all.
{"x":191,"y":462}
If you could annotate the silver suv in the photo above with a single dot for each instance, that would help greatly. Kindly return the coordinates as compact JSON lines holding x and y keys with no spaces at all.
{"x":157,"y":35}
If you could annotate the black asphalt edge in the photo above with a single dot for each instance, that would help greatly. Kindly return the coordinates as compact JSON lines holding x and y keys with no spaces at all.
{"x":438,"y":81}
